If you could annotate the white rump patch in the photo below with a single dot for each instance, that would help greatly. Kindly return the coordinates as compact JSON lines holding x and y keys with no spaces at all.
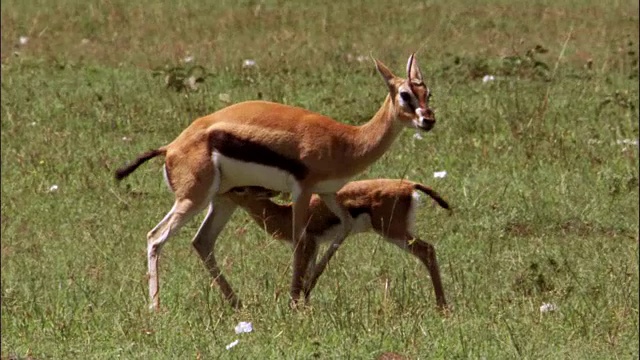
{"x":416,"y":200}
{"x":165,"y":174}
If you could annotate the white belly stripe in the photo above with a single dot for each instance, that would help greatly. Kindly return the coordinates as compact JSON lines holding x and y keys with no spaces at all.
{"x":241,"y":173}
{"x":235,"y":173}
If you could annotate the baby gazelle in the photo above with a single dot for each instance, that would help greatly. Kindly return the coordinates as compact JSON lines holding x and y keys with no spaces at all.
{"x":386,"y":206}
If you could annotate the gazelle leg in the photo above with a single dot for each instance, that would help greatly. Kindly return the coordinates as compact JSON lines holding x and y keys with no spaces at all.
{"x":301,"y":199}
{"x":312,"y":251}
{"x":427,"y":255}
{"x":204,"y":242}
{"x":315,"y":272}
{"x":347,"y":223}
{"x":179,"y":214}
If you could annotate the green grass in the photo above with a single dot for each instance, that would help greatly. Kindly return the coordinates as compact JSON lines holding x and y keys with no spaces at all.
{"x":546,"y":200}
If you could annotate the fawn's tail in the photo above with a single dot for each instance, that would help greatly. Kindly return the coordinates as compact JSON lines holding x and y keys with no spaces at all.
{"x":434,"y":195}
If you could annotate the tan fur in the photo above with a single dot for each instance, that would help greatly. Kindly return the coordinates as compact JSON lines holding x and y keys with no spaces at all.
{"x":321,"y":143}
{"x":386,"y":200}
{"x":330,"y":153}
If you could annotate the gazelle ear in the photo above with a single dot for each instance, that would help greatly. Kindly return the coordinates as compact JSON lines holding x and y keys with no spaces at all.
{"x":384,"y":71}
{"x":413,"y":71}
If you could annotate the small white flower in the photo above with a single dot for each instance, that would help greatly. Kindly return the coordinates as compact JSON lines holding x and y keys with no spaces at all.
{"x":417,"y":136}
{"x":361,"y":58}
{"x":247,"y":63}
{"x":440,"y":174}
{"x":627,"y":142}
{"x":232,"y":344}
{"x":244,"y":327}
{"x":33,"y":123}
{"x":224,"y":98}
{"x":23,"y":40}
{"x":548,"y":307}
{"x":53,"y":188}
{"x":125,"y":138}
{"x":488,"y":78}
{"x":188,"y":59}
{"x":192,"y":83}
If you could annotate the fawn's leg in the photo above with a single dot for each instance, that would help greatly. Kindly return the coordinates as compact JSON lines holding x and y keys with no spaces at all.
{"x":346,"y":222}
{"x":427,"y":255}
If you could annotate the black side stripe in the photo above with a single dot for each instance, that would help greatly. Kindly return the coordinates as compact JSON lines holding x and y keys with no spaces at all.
{"x":245,"y":150}
{"x":354,"y":212}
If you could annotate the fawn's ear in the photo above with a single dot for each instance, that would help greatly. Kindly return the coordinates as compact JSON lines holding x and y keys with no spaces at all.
{"x":386,"y":74}
{"x":413,"y":71}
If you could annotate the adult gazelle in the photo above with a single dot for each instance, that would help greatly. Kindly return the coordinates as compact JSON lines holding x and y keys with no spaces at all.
{"x":278,"y":147}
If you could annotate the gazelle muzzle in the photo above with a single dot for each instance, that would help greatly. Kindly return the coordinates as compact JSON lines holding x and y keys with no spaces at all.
{"x":426,"y":119}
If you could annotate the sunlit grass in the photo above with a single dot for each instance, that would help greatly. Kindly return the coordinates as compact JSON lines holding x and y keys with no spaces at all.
{"x":544,"y":188}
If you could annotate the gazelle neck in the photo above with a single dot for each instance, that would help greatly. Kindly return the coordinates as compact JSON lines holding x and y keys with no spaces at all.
{"x":271,"y":216}
{"x":376,"y":136}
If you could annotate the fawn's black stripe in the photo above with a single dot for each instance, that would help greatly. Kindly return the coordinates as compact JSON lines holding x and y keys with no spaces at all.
{"x":354,"y":212}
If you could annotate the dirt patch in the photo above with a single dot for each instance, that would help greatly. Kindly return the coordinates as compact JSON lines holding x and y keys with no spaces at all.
{"x":520,"y":229}
{"x":537,"y":278}
{"x":391,"y":356}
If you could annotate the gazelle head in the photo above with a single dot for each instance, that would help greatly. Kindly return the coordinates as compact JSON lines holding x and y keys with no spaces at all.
{"x":410,"y":96}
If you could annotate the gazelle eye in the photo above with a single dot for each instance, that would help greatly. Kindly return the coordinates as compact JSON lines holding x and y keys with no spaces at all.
{"x":406,"y":97}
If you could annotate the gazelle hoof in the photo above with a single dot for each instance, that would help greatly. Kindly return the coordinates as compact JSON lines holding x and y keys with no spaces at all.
{"x":295,"y":304}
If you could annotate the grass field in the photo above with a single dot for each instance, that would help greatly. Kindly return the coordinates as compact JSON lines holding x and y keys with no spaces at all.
{"x":544,"y":186}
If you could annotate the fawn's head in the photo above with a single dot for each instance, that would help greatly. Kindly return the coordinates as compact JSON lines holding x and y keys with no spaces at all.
{"x":410,"y":96}
{"x":252,"y":192}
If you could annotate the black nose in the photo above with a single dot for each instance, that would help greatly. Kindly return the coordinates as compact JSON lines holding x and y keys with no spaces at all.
{"x":429,"y":115}
{"x":426,"y":124}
